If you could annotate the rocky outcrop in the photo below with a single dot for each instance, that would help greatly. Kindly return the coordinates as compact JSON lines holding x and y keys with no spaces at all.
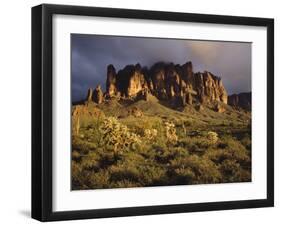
{"x":131,"y":80}
{"x":166,"y":81}
{"x":90,"y":95}
{"x":180,"y":82}
{"x":241,"y":100}
{"x":209,"y":88}
{"x":219,"y":108}
{"x":98,"y":95}
{"x":111,"y":81}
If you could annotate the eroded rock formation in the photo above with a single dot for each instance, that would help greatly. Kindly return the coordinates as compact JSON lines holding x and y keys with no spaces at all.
{"x":166,"y":81}
{"x":98,"y":95}
{"x":241,"y":100}
{"x":90,"y":95}
{"x":111,"y":81}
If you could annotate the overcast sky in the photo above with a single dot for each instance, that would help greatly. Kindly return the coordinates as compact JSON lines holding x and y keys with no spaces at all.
{"x":92,"y":53}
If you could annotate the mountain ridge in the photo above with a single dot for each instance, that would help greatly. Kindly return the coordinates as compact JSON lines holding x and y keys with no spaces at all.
{"x":177,"y":84}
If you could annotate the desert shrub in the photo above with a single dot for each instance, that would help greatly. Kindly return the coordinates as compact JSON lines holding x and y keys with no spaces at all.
{"x":109,"y":158}
{"x":124,"y":173}
{"x":224,"y":123}
{"x":131,"y":159}
{"x":75,"y":173}
{"x":92,"y":132}
{"x":125,"y":184}
{"x":233,"y":151}
{"x":183,"y":176}
{"x":78,"y":176}
{"x":136,"y":170}
{"x":196,"y":144}
{"x":150,"y":134}
{"x":233,"y":160}
{"x":233,"y":172}
{"x":99,"y":179}
{"x":75,"y":125}
{"x":89,"y":138}
{"x":90,"y":161}
{"x":237,"y":151}
{"x":212,"y":137}
{"x":75,"y":156}
{"x":171,"y":133}
{"x":198,"y":169}
{"x":187,"y":123}
{"x":145,"y":151}
{"x":153,"y":175}
{"x":141,"y":124}
{"x":165,"y":155}
{"x":229,"y":167}
{"x":80,"y":146}
{"x":118,"y":135}
{"x":217,"y":155}
{"x":246,"y":142}
{"x":221,"y":145}
{"x":179,"y":151}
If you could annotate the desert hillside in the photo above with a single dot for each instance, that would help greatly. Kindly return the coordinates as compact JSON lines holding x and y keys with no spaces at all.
{"x":165,"y":125}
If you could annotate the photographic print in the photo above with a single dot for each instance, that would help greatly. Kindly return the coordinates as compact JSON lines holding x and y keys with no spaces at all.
{"x":158,"y":112}
{"x":130,"y":106}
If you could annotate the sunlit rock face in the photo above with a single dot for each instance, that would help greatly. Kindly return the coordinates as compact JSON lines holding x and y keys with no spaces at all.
{"x":131,"y":80}
{"x":166,"y":81}
{"x":90,"y":94}
{"x":136,"y":82}
{"x":209,"y":88}
{"x":171,"y":81}
{"x":111,"y":81}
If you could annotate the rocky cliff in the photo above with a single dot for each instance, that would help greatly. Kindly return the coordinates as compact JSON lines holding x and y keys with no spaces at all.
{"x":241,"y":100}
{"x":167,"y":81}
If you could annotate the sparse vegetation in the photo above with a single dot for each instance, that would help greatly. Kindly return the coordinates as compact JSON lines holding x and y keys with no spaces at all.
{"x":116,"y":135}
{"x":171,"y":135}
{"x":162,"y":147}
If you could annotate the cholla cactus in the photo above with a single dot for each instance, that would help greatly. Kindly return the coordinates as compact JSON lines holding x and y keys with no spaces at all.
{"x":150,"y":134}
{"x":117,"y":134}
{"x":75,"y":125}
{"x":171,"y":132}
{"x":212,"y":137}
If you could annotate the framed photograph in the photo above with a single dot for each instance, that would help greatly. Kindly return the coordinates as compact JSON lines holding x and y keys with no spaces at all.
{"x":146,"y":112}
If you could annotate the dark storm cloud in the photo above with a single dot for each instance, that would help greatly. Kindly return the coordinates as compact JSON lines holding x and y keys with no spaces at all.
{"x":92,"y":53}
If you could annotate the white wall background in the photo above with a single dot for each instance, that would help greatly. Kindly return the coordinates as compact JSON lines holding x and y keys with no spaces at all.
{"x":15,"y":111}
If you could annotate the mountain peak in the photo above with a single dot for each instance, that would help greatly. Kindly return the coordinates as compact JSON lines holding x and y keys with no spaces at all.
{"x":166,"y":81}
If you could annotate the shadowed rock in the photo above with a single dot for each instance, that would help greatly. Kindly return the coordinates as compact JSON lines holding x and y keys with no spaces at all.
{"x":241,"y":100}
{"x":98,"y":95}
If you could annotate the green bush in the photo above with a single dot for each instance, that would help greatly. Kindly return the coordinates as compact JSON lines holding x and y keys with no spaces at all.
{"x":232,"y":171}
{"x":203,"y":170}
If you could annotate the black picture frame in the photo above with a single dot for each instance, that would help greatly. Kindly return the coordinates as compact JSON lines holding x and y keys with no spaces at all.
{"x":42,"y":111}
